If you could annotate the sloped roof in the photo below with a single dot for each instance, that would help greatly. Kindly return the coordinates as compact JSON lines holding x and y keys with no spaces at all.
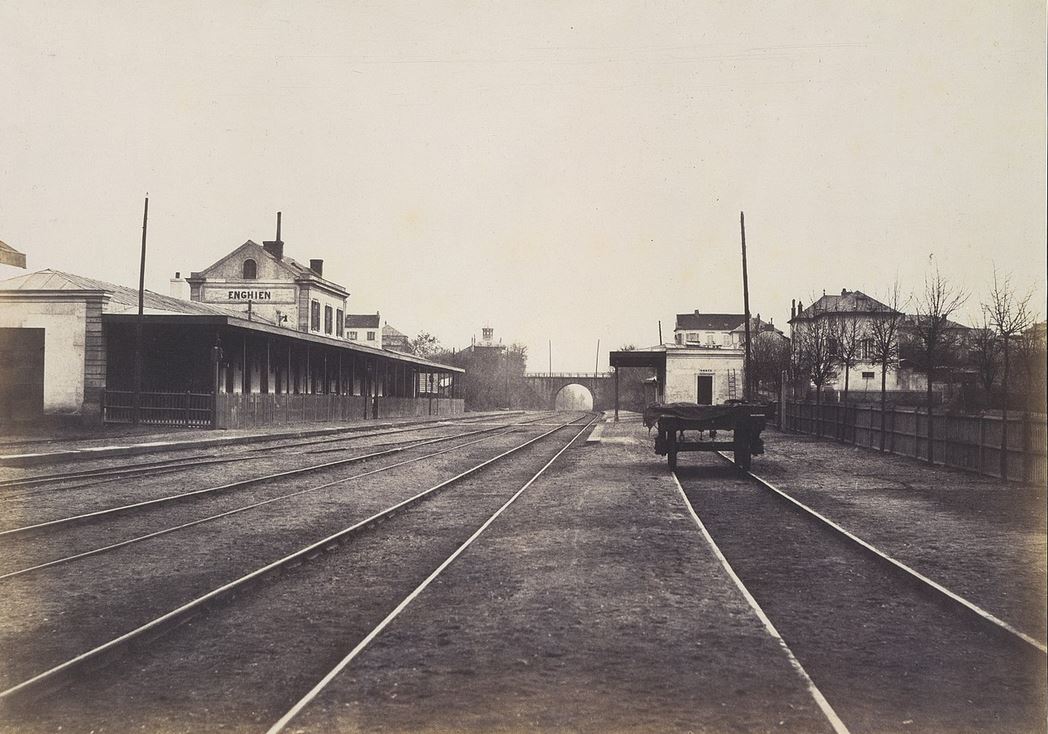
{"x":845,"y":302}
{"x":362,"y":320}
{"x":292,"y":266}
{"x":390,"y":331}
{"x":122,"y":299}
{"x":11,"y":256}
{"x":710,"y":321}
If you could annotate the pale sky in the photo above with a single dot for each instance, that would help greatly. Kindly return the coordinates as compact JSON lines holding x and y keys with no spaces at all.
{"x":559,"y":170}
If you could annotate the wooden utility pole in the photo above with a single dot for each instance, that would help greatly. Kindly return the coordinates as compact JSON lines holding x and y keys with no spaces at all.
{"x":596,"y":359}
{"x":660,"y":332}
{"x":550,"y":357}
{"x":137,"y":398}
{"x":746,"y":309}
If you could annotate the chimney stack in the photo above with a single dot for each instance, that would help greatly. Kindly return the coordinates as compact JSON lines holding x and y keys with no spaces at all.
{"x":179,"y":288}
{"x":793,"y":309}
{"x":275,"y":247}
{"x":317,"y":266}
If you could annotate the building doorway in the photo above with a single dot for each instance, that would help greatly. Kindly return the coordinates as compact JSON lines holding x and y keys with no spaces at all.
{"x":705,"y":390}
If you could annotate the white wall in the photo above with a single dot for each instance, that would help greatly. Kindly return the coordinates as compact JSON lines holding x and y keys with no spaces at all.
{"x":63,"y":322}
{"x":684,"y":365}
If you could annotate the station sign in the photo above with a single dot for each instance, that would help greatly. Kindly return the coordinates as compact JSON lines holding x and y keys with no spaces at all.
{"x":237,"y":293}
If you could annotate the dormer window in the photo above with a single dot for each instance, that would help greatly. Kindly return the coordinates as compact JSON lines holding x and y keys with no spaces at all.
{"x":250,"y":269}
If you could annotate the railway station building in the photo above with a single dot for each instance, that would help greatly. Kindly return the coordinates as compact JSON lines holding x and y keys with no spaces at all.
{"x":217,"y":360}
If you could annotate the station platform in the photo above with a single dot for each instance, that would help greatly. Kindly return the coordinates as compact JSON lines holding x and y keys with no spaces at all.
{"x":17,"y":452}
{"x":594,"y":604}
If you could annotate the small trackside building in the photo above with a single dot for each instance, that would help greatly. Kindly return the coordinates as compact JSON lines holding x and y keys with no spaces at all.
{"x":73,"y":339}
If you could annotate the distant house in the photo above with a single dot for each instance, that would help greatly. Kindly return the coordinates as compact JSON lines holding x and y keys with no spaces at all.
{"x":865,"y":310}
{"x":394,"y":340}
{"x":718,"y":330}
{"x":364,"y":329}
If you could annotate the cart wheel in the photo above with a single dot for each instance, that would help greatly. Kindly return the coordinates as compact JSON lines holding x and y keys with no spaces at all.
{"x":671,"y":457}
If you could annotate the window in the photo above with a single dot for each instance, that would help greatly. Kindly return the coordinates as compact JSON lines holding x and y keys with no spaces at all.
{"x":371,"y":336}
{"x":353,"y":335}
{"x":314,"y":315}
{"x":866,"y":349}
{"x":250,"y":269}
{"x":727,"y":339}
{"x":693,"y":337}
{"x":339,"y":325}
{"x":867,"y":375}
{"x":710,"y":338}
{"x":679,"y":338}
{"x":328,"y":319}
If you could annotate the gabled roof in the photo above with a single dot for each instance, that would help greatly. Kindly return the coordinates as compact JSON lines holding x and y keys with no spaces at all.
{"x":710,"y":321}
{"x":121,"y":298}
{"x":291,"y":266}
{"x":362,"y":320}
{"x":389,"y":331}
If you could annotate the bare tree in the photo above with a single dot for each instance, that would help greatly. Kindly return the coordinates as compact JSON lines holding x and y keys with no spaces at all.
{"x":814,"y":359}
{"x":769,"y":356}
{"x":1010,"y":315}
{"x":883,"y":327}
{"x":847,"y":333}
{"x":986,"y":356}
{"x":933,"y":338}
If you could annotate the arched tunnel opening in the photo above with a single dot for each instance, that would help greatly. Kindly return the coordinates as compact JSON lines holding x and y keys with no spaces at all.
{"x":573,"y":397}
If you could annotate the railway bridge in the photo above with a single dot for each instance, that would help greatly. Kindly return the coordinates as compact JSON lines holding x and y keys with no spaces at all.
{"x":544,"y":387}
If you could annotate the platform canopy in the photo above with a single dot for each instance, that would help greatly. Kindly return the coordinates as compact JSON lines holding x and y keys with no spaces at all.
{"x":655,"y":359}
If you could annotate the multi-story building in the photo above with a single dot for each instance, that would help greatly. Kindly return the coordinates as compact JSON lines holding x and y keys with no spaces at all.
{"x":264,"y":283}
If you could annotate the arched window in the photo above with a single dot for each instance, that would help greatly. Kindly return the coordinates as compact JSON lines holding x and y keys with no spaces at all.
{"x":250,"y":270}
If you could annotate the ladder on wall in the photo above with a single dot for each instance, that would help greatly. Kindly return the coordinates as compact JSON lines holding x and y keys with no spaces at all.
{"x":731,"y":384}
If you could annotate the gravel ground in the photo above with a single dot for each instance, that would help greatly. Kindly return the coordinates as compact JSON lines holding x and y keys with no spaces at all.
{"x":130,"y":585}
{"x":593,"y":605}
{"x":888,"y":658}
{"x":981,"y":538}
{"x":237,"y":668}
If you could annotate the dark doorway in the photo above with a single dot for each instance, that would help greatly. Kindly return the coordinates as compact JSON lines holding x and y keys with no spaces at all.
{"x":705,"y":390}
{"x":21,"y":374}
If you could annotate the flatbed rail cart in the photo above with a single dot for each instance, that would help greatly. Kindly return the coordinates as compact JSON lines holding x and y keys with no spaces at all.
{"x":744,"y":420}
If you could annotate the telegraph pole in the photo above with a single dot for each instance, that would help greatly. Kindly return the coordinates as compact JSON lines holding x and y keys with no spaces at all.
{"x":746,"y":308}
{"x":137,"y":399}
{"x":596,"y":360}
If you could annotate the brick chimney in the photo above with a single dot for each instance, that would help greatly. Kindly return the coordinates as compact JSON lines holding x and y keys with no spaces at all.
{"x":275,"y":247}
{"x":317,"y":266}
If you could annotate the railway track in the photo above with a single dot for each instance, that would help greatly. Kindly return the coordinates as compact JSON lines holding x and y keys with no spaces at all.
{"x":479,"y":493}
{"x":891,"y":649}
{"x":486,"y":434}
{"x":240,"y":484}
{"x":98,"y":475}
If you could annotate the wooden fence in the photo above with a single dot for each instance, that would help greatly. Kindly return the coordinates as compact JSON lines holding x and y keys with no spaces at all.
{"x":970,"y":442}
{"x":158,"y":408}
